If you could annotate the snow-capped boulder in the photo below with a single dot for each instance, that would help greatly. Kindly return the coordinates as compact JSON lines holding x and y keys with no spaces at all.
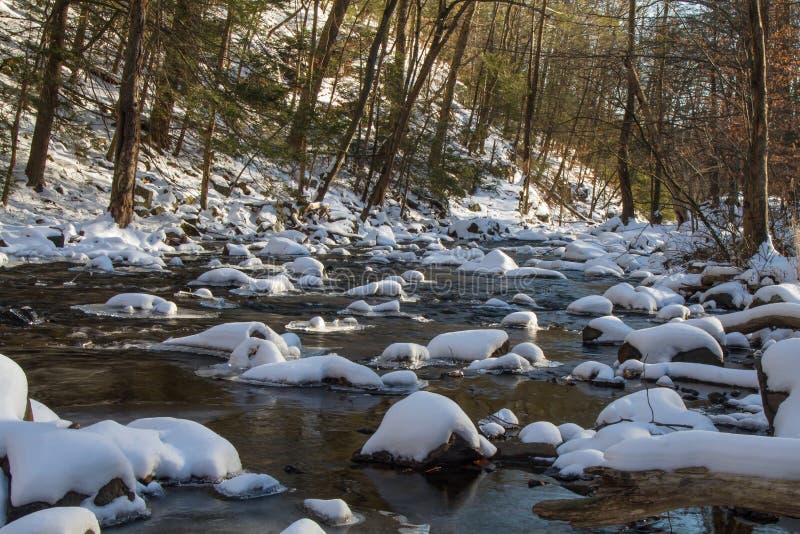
{"x":476,"y":228}
{"x":521,"y":319}
{"x":306,"y":266}
{"x":779,"y":363}
{"x":224,"y":276}
{"x":283,"y":246}
{"x":591,"y":305}
{"x":143,"y":302}
{"x":408,"y":355}
{"x":413,"y":277}
{"x":673,"y":311}
{"x":582,"y":251}
{"x":425,"y":429}
{"x":541,"y":432}
{"x":253,"y":352}
{"x":623,"y":295}
{"x":661,"y":409}
{"x":509,"y":363}
{"x":224,"y":338}
{"x":303,"y":526}
{"x":495,"y":262}
{"x":597,"y":373}
{"x":729,"y":295}
{"x":13,"y":390}
{"x":383,"y":288}
{"x":678,"y":342}
{"x":530,"y":352}
{"x":59,"y":520}
{"x":468,"y":345}
{"x":197,"y":452}
{"x":333,"y":512}
{"x":249,"y":486}
{"x":786,"y":292}
{"x":330,"y":369}
{"x":607,"y":330}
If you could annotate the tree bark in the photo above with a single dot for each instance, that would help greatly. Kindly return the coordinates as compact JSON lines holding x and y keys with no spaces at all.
{"x":126,"y":151}
{"x":623,"y":155}
{"x":437,"y":145}
{"x":755,"y":213}
{"x":530,"y":107}
{"x":366,"y":89}
{"x":48,"y":96}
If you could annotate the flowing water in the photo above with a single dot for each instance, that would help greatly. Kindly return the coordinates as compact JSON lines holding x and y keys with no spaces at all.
{"x":88,"y":368}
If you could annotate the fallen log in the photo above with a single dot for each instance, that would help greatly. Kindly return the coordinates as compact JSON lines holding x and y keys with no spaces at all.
{"x":776,"y":315}
{"x":620,"y":497}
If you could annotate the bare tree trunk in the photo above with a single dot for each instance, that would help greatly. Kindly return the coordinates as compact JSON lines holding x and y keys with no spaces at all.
{"x":755,"y":212}
{"x":366,"y":89}
{"x":208,"y":133}
{"x":48,"y":96}
{"x":437,"y":145}
{"x":623,"y":156}
{"x":126,"y":152}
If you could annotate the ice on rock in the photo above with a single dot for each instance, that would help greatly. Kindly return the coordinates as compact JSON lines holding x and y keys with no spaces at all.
{"x":420,"y":428}
{"x":780,"y":365}
{"x":226,"y":337}
{"x":315,"y":371}
{"x":13,"y":390}
{"x":253,"y":352}
{"x":512,"y":363}
{"x":306,"y":266}
{"x":385,"y":288}
{"x":673,"y":311}
{"x":333,"y":512}
{"x":144,"y":302}
{"x":59,"y":520}
{"x":591,"y":305}
{"x":223,"y":276}
{"x":196,"y":452}
{"x":623,"y":295}
{"x":671,"y":342}
{"x":521,"y":319}
{"x":541,"y":432}
{"x":407,"y":354}
{"x":495,"y":262}
{"x":283,"y":246}
{"x":402,"y":379}
{"x":249,"y":486}
{"x":606,"y":330}
{"x":661,"y":409}
{"x":467,"y":345}
{"x":303,"y":526}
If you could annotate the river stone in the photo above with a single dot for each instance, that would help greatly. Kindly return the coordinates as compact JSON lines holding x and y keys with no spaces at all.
{"x":455,"y":453}
{"x":698,"y":355}
{"x":518,"y":452}
{"x":590,"y":334}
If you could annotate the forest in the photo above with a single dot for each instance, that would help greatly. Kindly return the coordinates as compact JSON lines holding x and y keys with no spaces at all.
{"x":429,"y":262}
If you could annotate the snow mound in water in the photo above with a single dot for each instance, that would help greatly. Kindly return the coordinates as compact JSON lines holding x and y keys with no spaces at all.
{"x":673,"y":311}
{"x":780,"y":365}
{"x":661,"y":409}
{"x":303,"y":526}
{"x":283,"y":246}
{"x":142,"y":447}
{"x":534,"y":272}
{"x":495,"y":262}
{"x":541,"y":432}
{"x":333,"y":512}
{"x":413,"y":277}
{"x":384,"y":288}
{"x":306,"y":266}
{"x":623,"y":295}
{"x":611,"y":329}
{"x":13,"y":390}
{"x":467,"y":345}
{"x":582,"y":251}
{"x":317,"y":325}
{"x":408,"y":355}
{"x":594,"y":371}
{"x":591,"y":305}
{"x":315,"y":371}
{"x":59,"y":520}
{"x":777,"y":293}
{"x":224,"y":338}
{"x":253,"y":352}
{"x":698,"y":372}
{"x":360,"y":307}
{"x":417,"y":425}
{"x":663,"y":343}
{"x":533,"y":354}
{"x":521,"y":319}
{"x":400,"y":379}
{"x":224,"y":276}
{"x":249,"y":486}
{"x":144,"y":302}
{"x":272,"y":285}
{"x":513,"y":363}
{"x":198,"y":453}
{"x":731,"y":295}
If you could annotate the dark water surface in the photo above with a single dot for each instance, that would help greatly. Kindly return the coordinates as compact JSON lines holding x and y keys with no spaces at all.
{"x":89,"y":368}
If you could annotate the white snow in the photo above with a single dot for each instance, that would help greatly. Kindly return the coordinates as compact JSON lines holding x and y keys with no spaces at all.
{"x":385,"y":288}
{"x":661,"y":408}
{"x":495,"y":262}
{"x":733,"y":291}
{"x":673,"y":311}
{"x":361,"y":307}
{"x":521,"y":319}
{"x":198,"y":452}
{"x":467,"y":345}
{"x":253,"y":352}
{"x":402,"y":378}
{"x":314,"y":370}
{"x":226,"y":337}
{"x":531,"y":352}
{"x":59,"y":520}
{"x":303,"y":526}
{"x":283,"y":246}
{"x":249,"y":486}
{"x":510,"y":362}
{"x":711,"y":374}
{"x":407,"y":353}
{"x":144,"y":302}
{"x":591,"y":305}
{"x":224,"y":276}
{"x":780,"y":365}
{"x":612,"y":328}
{"x":541,"y":432}
{"x":663,"y":342}
{"x":594,"y":371}
{"x":13,"y":390}
{"x":334,"y":512}
{"x":306,"y":266}
{"x":623,"y":295}
{"x":785,"y":292}
{"x":416,"y":425}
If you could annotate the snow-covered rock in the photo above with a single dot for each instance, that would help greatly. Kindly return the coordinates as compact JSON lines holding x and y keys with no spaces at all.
{"x":315,"y":371}
{"x":495,"y":262}
{"x":530,"y":352}
{"x":423,"y":429}
{"x":59,"y":520}
{"x":303,"y":526}
{"x":224,"y":276}
{"x":673,"y":311}
{"x":541,"y":432}
{"x":512,"y":363}
{"x":696,"y":372}
{"x":249,"y":486}
{"x":671,"y":342}
{"x":408,"y":355}
{"x":661,"y":409}
{"x":334,"y":512}
{"x":253,"y":352}
{"x":144,"y":302}
{"x":13,"y":390}
{"x":224,"y":338}
{"x":283,"y":246}
{"x":385,"y":288}
{"x":623,"y":295}
{"x":606,"y":330}
{"x":780,"y":364}
{"x":521,"y":319}
{"x":306,"y":266}
{"x":467,"y":345}
{"x":591,"y":305}
{"x":729,"y":295}
{"x":786,"y":292}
